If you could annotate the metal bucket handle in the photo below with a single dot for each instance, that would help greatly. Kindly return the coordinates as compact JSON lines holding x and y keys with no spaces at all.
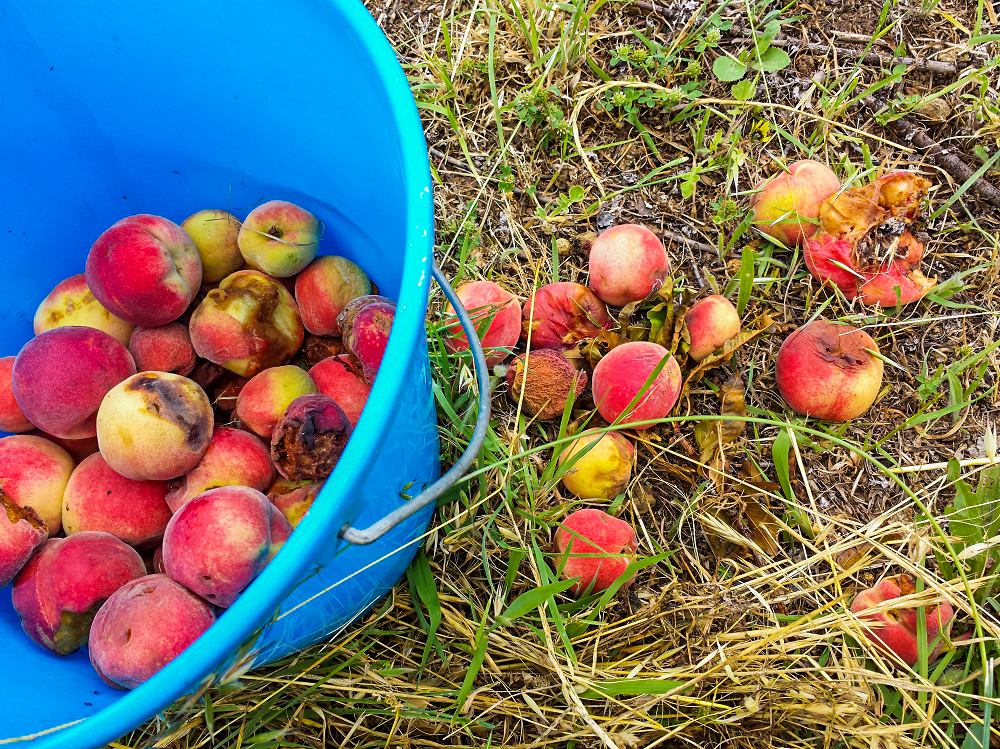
{"x":431,"y":493}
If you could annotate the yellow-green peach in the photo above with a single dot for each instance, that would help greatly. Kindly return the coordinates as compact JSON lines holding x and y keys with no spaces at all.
{"x":72,"y":302}
{"x":603,"y":471}
{"x":214,"y":233}
{"x":279,"y":238}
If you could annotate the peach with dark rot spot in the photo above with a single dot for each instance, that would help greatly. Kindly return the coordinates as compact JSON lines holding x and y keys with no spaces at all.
{"x":542,"y":381}
{"x":72,"y":302}
{"x":265,"y":397}
{"x":309,"y":438}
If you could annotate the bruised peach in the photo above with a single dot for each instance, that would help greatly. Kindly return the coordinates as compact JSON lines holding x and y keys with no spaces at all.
{"x":12,"y":419}
{"x":829,"y":371}
{"x":98,"y":498}
{"x":218,"y":542}
{"x":543,"y":381}
{"x":265,"y":397}
{"x":620,"y":379}
{"x":787,"y":206}
{"x":233,"y":458}
{"x":33,"y":473}
{"x":335,"y":377}
{"x":710,"y":323}
{"x":247,"y":324}
{"x":214,"y":233}
{"x":496,"y":315}
{"x":143,"y":626}
{"x":294,"y":498}
{"x":58,"y":591}
{"x":324,"y":287}
{"x":21,"y":533}
{"x":560,"y":315}
{"x":144,"y":269}
{"x":893,"y":629}
{"x":600,"y":472}
{"x":154,"y":426}
{"x":60,"y":377}
{"x":309,"y":438}
{"x":166,"y":348}
{"x":72,"y":302}
{"x":596,"y":548}
{"x":627,"y":263}
{"x":868,"y":244}
{"x":365,"y":323}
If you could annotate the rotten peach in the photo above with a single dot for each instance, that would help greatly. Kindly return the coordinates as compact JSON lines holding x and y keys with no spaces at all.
{"x":34,"y":472}
{"x":58,"y":591}
{"x":323,"y":289}
{"x":787,"y":206}
{"x":543,"y":381}
{"x":559,"y":315}
{"x":154,"y":426}
{"x":710,"y":323}
{"x":21,"y":533}
{"x":143,"y":626}
{"x":144,"y":269}
{"x":627,"y":263}
{"x":495,"y":314}
{"x":596,"y":548}
{"x":365,"y":323}
{"x":247,"y":324}
{"x":829,"y":371}
{"x":61,"y":376}
{"x":619,"y":383}
{"x":598,"y":466}
{"x":335,"y":377}
{"x":309,"y":438}
{"x":72,"y":302}
{"x":263,"y":400}
{"x":98,"y":498}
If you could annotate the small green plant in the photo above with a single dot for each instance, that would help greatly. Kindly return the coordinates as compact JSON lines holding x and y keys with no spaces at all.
{"x":761,"y":57}
{"x":540,"y":108}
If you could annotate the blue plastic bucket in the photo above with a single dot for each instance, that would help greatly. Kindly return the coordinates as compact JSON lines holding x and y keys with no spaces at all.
{"x":117,"y":107}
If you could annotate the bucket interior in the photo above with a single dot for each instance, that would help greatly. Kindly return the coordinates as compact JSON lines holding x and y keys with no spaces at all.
{"x":117,"y":108}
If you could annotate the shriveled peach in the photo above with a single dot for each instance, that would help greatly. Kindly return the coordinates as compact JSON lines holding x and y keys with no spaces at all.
{"x":496,"y":314}
{"x":560,"y":315}
{"x":627,"y":263}
{"x":143,"y":626}
{"x":335,"y":377}
{"x":786,"y":207}
{"x":309,"y":438}
{"x":33,"y":473}
{"x":710,"y":322}
{"x":365,"y":323}
{"x":214,"y":233}
{"x":144,"y":269}
{"x":12,"y":419}
{"x":72,"y":302}
{"x":603,"y":471}
{"x":322,"y":290}
{"x":218,"y":542}
{"x":98,"y":498}
{"x":596,"y":548}
{"x":21,"y":533}
{"x":293,"y":498}
{"x":60,"y":377}
{"x":166,"y":348}
{"x":247,"y":324}
{"x":542,"y":381}
{"x":58,"y":591}
{"x":265,"y":397}
{"x":233,"y":458}
{"x":620,"y":378}
{"x":154,"y":425}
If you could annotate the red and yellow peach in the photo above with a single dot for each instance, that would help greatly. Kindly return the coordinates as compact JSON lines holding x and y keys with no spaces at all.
{"x":166,"y":348}
{"x":33,"y":473}
{"x":627,"y":263}
{"x":335,"y":377}
{"x":787,"y":206}
{"x":22,"y":532}
{"x":710,"y":322}
{"x":496,"y":315}
{"x":279,"y":238}
{"x":560,"y":315}
{"x":323,"y":289}
{"x":72,"y":302}
{"x":619,"y":383}
{"x":263,"y":400}
{"x":596,"y":548}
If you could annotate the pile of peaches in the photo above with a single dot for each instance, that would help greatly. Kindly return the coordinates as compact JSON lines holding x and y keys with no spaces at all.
{"x":866,"y":240}
{"x":175,"y":415}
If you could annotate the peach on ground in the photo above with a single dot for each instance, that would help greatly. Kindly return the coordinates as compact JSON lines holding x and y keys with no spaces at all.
{"x":603,"y":471}
{"x":294,"y":498}
{"x":710,"y":322}
{"x":247,"y":324}
{"x":829,"y":371}
{"x":627,"y":263}
{"x":365,"y":324}
{"x":279,"y":238}
{"x":620,"y":378}
{"x":322,"y":290}
{"x":218,"y":542}
{"x":561,"y":314}
{"x":492,"y":307}
{"x":144,"y":269}
{"x":154,"y":426}
{"x":12,"y":419}
{"x":214,"y":234}
{"x":60,"y":377}
{"x":21,"y":533}
{"x":166,"y":348}
{"x":98,"y":498}
{"x":335,"y":377}
{"x":143,"y":626}
{"x":595,"y":547}
{"x":58,"y":591}
{"x":264,"y":399}
{"x":542,"y":381}
{"x":72,"y":302}
{"x":787,"y":206}
{"x":233,"y":458}
{"x":34,"y":472}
